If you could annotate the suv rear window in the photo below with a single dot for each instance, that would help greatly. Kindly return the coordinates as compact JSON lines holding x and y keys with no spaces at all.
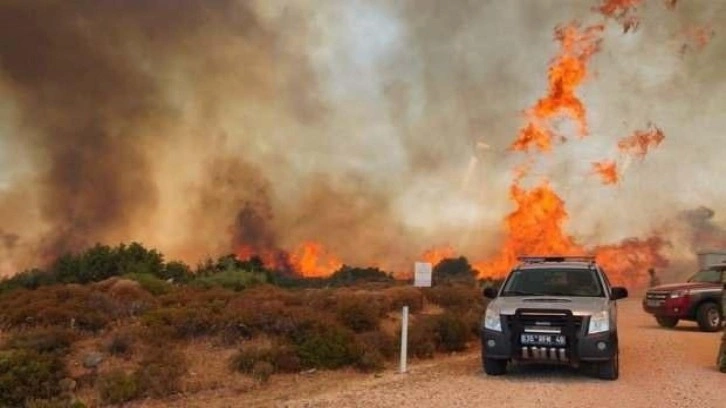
{"x":553,"y":282}
{"x":709,"y":275}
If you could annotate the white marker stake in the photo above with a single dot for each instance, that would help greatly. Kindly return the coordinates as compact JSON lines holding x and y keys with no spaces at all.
{"x":404,"y":339}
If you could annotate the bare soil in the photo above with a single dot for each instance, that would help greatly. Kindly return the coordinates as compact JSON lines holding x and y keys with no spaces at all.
{"x":659,"y":367}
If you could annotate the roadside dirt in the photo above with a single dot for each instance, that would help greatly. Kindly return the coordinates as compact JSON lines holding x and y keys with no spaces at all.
{"x":659,"y":367}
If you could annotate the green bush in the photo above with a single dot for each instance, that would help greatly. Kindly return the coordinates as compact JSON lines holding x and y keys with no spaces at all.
{"x":27,"y":374}
{"x":150,"y":283}
{"x":117,"y":387}
{"x":160,"y":372}
{"x":326,"y":346}
{"x":234,"y":279}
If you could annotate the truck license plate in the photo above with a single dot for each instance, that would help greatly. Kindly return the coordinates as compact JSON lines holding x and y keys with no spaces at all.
{"x":543,"y":339}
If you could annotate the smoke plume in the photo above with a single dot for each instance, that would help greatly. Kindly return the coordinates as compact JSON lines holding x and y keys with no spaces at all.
{"x":202,"y":127}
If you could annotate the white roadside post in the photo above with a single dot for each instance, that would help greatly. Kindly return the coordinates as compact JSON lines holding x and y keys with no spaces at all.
{"x":404,"y":339}
{"x":422,"y":278}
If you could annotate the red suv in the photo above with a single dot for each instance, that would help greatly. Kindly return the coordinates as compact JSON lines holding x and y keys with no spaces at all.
{"x":699,"y":299}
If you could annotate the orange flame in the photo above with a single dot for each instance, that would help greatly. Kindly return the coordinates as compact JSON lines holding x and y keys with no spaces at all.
{"x":617,"y":8}
{"x":607,"y":170}
{"x":536,"y":225}
{"x":621,"y":11}
{"x":311,"y":259}
{"x":566,"y":73}
{"x":697,"y":37}
{"x":641,"y":141}
{"x":436,"y":255}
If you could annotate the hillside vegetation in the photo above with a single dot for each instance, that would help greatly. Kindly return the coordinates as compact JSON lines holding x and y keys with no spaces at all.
{"x":112,"y":325}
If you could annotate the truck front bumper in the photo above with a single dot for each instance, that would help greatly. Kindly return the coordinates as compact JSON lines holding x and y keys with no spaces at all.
{"x":589,"y":348}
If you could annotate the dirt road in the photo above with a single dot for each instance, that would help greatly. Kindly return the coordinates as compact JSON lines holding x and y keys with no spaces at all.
{"x":659,"y":367}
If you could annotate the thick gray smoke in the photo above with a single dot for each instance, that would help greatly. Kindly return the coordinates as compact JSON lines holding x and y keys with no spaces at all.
{"x":379,"y":129}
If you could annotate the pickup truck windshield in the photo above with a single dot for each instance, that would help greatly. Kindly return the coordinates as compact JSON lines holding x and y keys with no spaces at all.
{"x":709,"y":275}
{"x":553,"y":282}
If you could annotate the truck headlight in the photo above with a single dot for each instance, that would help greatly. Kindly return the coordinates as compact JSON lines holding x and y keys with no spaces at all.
{"x":492,"y":320}
{"x":679,"y":293}
{"x":599,"y":322}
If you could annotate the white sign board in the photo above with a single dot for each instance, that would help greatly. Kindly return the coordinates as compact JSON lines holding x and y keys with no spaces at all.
{"x":422,"y":275}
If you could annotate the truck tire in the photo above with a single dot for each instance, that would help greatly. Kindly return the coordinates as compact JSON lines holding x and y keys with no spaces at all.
{"x":610,"y":370}
{"x":495,"y":366}
{"x":708,"y":317}
{"x":669,"y":322}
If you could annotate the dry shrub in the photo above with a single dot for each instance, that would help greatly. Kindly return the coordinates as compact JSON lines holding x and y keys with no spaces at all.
{"x":117,"y":387}
{"x":43,"y":340}
{"x":378,"y":341}
{"x":60,"y":305}
{"x":359,"y":313}
{"x":121,"y":343}
{"x":452,"y":331}
{"x":262,"y":370}
{"x":401,"y":296}
{"x":281,"y":357}
{"x":184,"y":322}
{"x":422,"y":339}
{"x":160,"y":372}
{"x":458,"y":298}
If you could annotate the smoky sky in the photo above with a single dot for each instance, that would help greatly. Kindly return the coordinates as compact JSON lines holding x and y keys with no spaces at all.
{"x":194,"y":126}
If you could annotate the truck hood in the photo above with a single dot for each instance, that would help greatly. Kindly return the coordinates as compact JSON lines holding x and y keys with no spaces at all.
{"x":580,"y":306}
{"x":685,"y":285}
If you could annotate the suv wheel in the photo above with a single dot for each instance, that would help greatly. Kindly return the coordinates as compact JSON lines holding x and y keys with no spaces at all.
{"x":709,"y":318}
{"x":610,"y":370}
{"x":494,"y":366}
{"x":668,"y":322}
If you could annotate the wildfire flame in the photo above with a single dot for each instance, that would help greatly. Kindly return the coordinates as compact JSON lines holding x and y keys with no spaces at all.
{"x":607,"y":170}
{"x":697,"y":37}
{"x":641,"y":141}
{"x":311,"y":259}
{"x":622,"y":11}
{"x":436,"y":255}
{"x":536,"y":225}
{"x":566,"y":73}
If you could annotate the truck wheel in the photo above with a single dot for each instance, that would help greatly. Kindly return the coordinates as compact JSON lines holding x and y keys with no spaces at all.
{"x":668,"y":322}
{"x":709,"y":318}
{"x":494,"y":366}
{"x":610,"y":370}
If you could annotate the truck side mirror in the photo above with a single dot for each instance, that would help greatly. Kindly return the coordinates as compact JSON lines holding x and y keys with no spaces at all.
{"x":618,"y":292}
{"x":490,"y":292}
